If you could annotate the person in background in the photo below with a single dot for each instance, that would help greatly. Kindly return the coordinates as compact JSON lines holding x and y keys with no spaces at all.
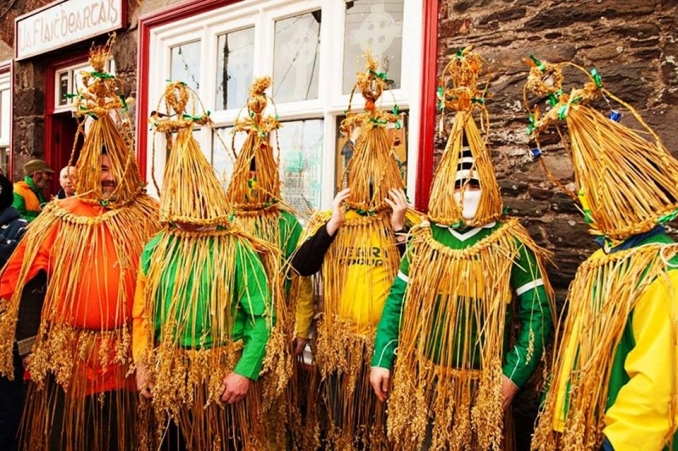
{"x":67,"y":182}
{"x":29,"y":193}
{"x":12,"y":228}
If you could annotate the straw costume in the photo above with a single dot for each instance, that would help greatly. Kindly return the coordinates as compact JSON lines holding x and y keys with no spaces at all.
{"x":449,"y":312}
{"x":357,"y":265}
{"x":87,"y":248}
{"x":203,"y":308}
{"x":254,"y":194}
{"x":615,"y":374}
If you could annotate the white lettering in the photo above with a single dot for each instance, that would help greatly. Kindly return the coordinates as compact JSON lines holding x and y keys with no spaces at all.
{"x":66,"y":23}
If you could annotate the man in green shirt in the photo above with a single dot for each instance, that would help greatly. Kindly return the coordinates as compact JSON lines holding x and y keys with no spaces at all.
{"x":29,"y":194}
{"x":203,"y":308}
{"x":449,"y":314}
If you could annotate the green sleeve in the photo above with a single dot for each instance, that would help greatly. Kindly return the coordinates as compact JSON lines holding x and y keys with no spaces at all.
{"x":290,"y":233}
{"x":534,"y":314}
{"x":253,"y":301}
{"x":388,"y":330}
{"x":20,"y":204}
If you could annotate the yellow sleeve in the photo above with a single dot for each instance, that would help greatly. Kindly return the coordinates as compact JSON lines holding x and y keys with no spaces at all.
{"x":640,"y":417}
{"x":305,"y":308}
{"x":141,"y":333}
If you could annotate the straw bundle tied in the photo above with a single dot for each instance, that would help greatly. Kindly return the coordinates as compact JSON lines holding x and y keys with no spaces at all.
{"x":603,"y":295}
{"x":460,"y":91}
{"x":357,"y":272}
{"x":91,"y":245}
{"x":193,"y":278}
{"x":449,"y":363}
{"x":627,"y":184}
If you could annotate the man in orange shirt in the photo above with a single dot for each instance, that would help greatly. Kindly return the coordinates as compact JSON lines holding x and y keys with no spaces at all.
{"x":86,"y":251}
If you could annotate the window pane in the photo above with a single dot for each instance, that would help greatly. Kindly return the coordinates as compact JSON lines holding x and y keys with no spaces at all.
{"x":185,"y":64}
{"x":63,"y":89}
{"x":5,"y":116}
{"x":301,"y":165}
{"x":4,"y":160}
{"x":222,"y":152}
{"x":345,"y":148}
{"x":376,"y":26}
{"x":234,"y":68}
{"x":296,"y":58}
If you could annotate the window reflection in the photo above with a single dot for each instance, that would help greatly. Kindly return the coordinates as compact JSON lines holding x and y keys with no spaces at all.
{"x":296,"y":58}
{"x":301,"y":165}
{"x":375,"y":26}
{"x":234,"y":68}
{"x":185,"y":64}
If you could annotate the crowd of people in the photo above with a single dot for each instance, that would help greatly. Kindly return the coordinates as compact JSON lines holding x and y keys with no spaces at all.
{"x":130,"y":323}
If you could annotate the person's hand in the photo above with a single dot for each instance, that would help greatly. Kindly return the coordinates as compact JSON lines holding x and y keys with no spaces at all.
{"x":234,"y":388}
{"x":397,"y":200}
{"x":144,"y":384}
{"x":508,"y":391}
{"x":380,"y":378}
{"x":337,"y":218}
{"x":299,"y":345}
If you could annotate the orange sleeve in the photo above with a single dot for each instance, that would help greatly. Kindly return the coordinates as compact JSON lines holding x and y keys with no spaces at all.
{"x":9,"y":278}
{"x":140,"y":330}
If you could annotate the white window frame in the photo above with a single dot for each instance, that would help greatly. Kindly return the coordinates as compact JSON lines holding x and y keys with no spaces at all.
{"x":72,"y":71}
{"x":330,"y":103}
{"x":5,"y":109}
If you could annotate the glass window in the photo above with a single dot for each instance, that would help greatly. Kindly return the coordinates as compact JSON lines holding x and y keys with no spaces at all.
{"x":5,"y":121}
{"x":301,"y":144}
{"x":69,"y":80}
{"x":185,"y":64}
{"x":375,"y":26}
{"x":63,"y":89}
{"x":234,"y":68}
{"x":296,"y":58}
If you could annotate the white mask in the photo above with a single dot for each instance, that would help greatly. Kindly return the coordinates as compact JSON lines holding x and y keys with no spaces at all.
{"x":469,"y":205}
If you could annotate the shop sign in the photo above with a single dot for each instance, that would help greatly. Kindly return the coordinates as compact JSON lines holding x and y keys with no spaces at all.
{"x":66,"y":22}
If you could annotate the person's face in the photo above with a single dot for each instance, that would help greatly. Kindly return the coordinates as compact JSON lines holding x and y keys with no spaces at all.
{"x":108,"y":182}
{"x":469,"y":200}
{"x":41,"y":179}
{"x":67,"y":180}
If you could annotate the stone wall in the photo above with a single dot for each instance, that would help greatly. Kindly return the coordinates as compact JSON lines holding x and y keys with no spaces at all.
{"x":633,"y":46}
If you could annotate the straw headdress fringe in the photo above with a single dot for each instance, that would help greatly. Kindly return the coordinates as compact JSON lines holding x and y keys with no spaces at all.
{"x":460,"y":91}
{"x":77,"y":339}
{"x":604,"y":293}
{"x":455,"y":383}
{"x":613,"y":165}
{"x":188,"y":380}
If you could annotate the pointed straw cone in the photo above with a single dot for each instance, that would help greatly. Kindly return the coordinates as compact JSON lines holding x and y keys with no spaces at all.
{"x":629,"y":184}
